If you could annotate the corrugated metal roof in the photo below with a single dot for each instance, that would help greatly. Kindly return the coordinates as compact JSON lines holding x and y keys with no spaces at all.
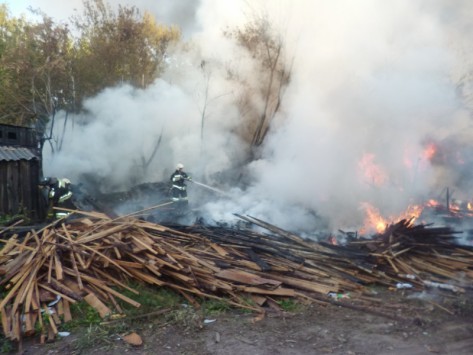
{"x":8,"y":153}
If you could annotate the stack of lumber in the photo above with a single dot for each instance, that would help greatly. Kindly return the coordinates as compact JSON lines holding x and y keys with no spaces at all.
{"x":94,"y":258}
{"x":422,"y":255}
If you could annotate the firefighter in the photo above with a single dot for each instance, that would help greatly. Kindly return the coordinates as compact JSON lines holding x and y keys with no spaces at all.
{"x":179,"y":187}
{"x":58,"y":193}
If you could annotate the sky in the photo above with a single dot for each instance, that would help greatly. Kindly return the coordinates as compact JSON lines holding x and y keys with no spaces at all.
{"x":372,"y":83}
{"x":180,"y":12}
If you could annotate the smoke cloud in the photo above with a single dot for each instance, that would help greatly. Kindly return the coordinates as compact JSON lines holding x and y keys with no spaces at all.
{"x":371,"y":83}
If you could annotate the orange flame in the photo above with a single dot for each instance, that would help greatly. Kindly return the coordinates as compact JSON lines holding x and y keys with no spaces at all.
{"x":432,"y":203}
{"x":332,"y":240}
{"x":375,"y":222}
{"x":429,"y":151}
{"x":372,"y":172}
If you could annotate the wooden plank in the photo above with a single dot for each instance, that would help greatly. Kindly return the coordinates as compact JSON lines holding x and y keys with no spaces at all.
{"x":58,"y":268}
{"x":71,"y":300}
{"x":56,"y":318}
{"x":115,"y":303}
{"x":71,"y":243}
{"x":35,"y":302}
{"x":94,"y":251}
{"x":28,"y":320}
{"x":16,"y":326}
{"x":102,"y":234}
{"x":50,"y":319}
{"x":67,"y":311}
{"x":130,"y":264}
{"x":183,"y":252}
{"x":246,"y":278}
{"x":29,"y":296}
{"x":12,"y":243}
{"x":98,"y":305}
{"x":15,"y":287}
{"x":76,"y":270}
{"x":143,"y":245}
{"x":109,"y":290}
{"x":259,"y":300}
{"x":6,"y":321}
{"x":221,"y":251}
{"x":319,"y":287}
{"x":60,"y":308}
{"x":64,"y":289}
{"x":50,"y":269}
{"x":146,"y":277}
{"x":115,"y":281}
{"x":277,"y":292}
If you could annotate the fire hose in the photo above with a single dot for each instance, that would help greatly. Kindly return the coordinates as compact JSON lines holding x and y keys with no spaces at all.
{"x":210,"y":188}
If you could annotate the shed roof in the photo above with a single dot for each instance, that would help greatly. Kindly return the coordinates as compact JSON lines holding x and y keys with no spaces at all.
{"x":8,"y":153}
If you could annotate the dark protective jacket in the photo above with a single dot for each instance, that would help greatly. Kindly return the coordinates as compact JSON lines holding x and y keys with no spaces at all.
{"x":58,"y":194}
{"x":179,"y":188}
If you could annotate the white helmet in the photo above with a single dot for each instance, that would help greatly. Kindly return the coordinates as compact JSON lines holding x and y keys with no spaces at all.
{"x":66,"y":181}
{"x":179,"y":166}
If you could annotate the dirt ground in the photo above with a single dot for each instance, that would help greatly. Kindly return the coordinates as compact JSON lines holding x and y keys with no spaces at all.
{"x":407,"y":324}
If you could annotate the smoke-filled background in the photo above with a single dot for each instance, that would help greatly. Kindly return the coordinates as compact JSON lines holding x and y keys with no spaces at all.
{"x":373,"y":84}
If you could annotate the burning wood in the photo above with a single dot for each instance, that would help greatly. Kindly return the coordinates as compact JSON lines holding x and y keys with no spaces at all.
{"x":419,"y":252}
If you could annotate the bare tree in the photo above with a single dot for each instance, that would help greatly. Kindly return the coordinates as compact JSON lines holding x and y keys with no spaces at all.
{"x":266,"y":47}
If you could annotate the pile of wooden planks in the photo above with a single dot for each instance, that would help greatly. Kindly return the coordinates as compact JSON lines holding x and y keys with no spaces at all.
{"x":94,"y":257}
{"x":421,"y":255}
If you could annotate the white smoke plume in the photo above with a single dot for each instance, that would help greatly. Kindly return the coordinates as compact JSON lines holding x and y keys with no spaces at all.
{"x":371,"y":81}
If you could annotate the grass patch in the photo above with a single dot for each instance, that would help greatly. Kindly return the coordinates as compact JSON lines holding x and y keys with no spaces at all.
{"x":6,"y":345}
{"x":151,"y":299}
{"x":213,"y":307}
{"x":7,"y":220}
{"x":290,"y":305}
{"x":92,"y":337}
{"x":93,"y":331}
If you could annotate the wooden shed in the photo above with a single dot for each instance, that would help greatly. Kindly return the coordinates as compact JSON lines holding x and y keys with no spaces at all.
{"x":20,"y":172}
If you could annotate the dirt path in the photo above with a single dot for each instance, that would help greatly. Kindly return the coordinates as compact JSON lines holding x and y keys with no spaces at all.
{"x":423,"y":327}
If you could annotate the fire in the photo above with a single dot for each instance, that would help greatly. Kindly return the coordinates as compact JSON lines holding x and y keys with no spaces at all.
{"x":371,"y":172}
{"x":375,"y":221}
{"x":432,"y":203}
{"x":332,"y":240}
{"x":455,"y":206}
{"x":429,"y":151}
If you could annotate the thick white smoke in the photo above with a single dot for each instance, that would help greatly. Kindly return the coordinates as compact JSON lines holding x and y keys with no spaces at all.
{"x":370,"y":81}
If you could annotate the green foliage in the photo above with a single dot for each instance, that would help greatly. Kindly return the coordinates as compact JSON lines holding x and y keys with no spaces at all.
{"x":34,"y":61}
{"x":119,"y":47}
{"x":289,"y":305}
{"x":150,"y":298}
{"x":92,"y":336}
{"x":87,"y":323}
{"x":7,"y":220}
{"x":212,"y":307}
{"x":6,"y":345}
{"x":45,"y":67}
{"x":82,"y":315}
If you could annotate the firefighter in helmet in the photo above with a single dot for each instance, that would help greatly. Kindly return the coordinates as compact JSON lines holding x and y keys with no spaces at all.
{"x":179,"y":187}
{"x":58,"y":194}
